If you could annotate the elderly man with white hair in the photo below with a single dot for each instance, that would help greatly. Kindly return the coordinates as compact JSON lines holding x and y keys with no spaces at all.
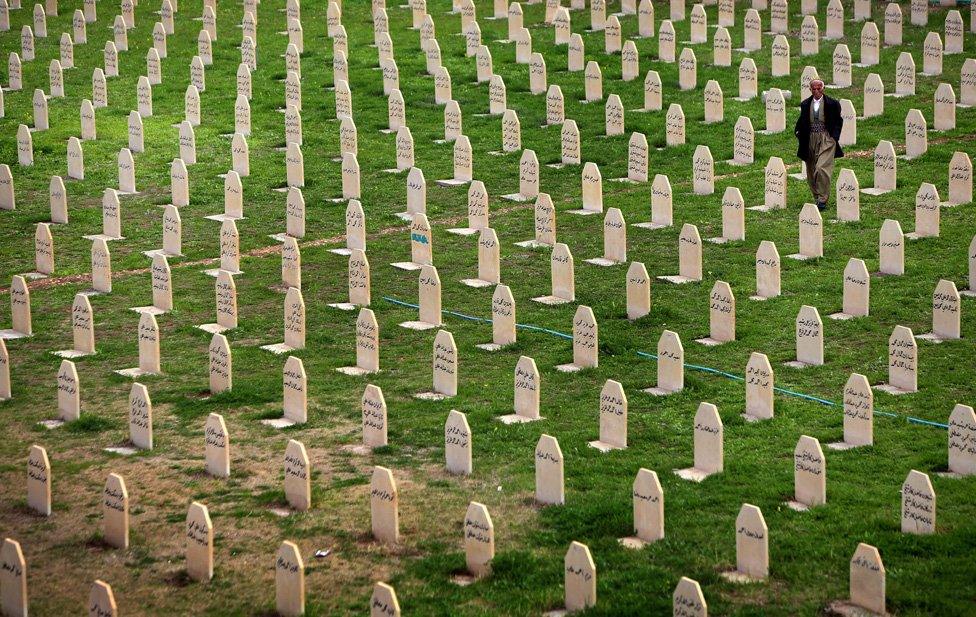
{"x":818,"y":131}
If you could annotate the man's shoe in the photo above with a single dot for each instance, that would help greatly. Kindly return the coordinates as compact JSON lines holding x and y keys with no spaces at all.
{"x":821,"y":205}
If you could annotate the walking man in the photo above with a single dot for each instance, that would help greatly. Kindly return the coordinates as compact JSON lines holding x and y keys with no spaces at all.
{"x":818,"y":131}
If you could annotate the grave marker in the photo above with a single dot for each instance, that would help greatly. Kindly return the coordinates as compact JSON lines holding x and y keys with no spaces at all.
{"x":479,"y":539}
{"x":638,"y":291}
{"x":613,"y":418}
{"x":384,"y":506}
{"x":13,"y":579}
{"x":457,"y":444}
{"x":562,"y":276}
{"x":759,"y":388}
{"x":891,"y":248}
{"x":101,"y":601}
{"x":917,"y":504}
{"x":709,"y":435}
{"x":298,"y":476}
{"x":585,"y":341}
{"x":580,"y":574}
{"x":721,"y":315}
{"x":38,"y":481}
{"x":768,"y":267}
{"x":289,"y":580}
{"x":140,"y":417}
{"x":373,"y":407}
{"x":811,"y":233}
{"x":115,"y":512}
{"x":809,"y":474}
{"x":751,"y":543}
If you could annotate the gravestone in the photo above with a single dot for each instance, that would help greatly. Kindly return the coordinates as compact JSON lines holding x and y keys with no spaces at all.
{"x":775,"y":112}
{"x":457,"y":444}
{"x":25,"y":146}
{"x":115,"y":512}
{"x":891,"y":248}
{"x":20,"y":310}
{"x":221,"y":372}
{"x":960,"y":179}
{"x":612,"y":35}
{"x":954,"y":30}
{"x":841,"y":68}
{"x":136,"y":133}
{"x":479,"y":539}
{"x":652,"y":92}
{"x":526,"y":392}
{"x":666,"y":40}
{"x":917,"y":504}
{"x":902,"y":363}
{"x":703,"y":171}
{"x":932,"y":55}
{"x":199,"y":543}
{"x":629,"y":62}
{"x":289,"y":580}
{"x":43,"y":250}
{"x":709,"y":436}
{"x":445,"y":366}
{"x":759,"y":388}
{"x":555,"y":106}
{"x":714,"y":102}
{"x":904,"y":74}
{"x":580,"y":576}
{"x":867,"y":579}
{"x":926,"y":212}
{"x":916,"y":134}
{"x":638,"y":291}
{"x":298,"y":476}
{"x":140,"y":417}
{"x":768,"y":267}
{"x":811,"y":233}
{"x":69,"y":392}
{"x":585,"y":341}
{"x":613,"y":418}
{"x":562,"y":276}
{"x":39,"y":481}
{"x":87,"y":113}
{"x":809,"y":36}
{"x":751,"y":543}
{"x":687,"y":599}
{"x":721,"y":315}
{"x":5,"y":393}
{"x":101,"y":600}
{"x":885,"y":169}
{"x":733,"y":217}
{"x":944,"y":108}
{"x":848,"y":133}
{"x":946,"y":307}
{"x":698,"y":24}
{"x":858,"y":414}
{"x":59,"y":201}
{"x":687,"y":69}
{"x":689,"y":256}
{"x":384,"y":506}
{"x":593,"y":82}
{"x":614,"y":239}
{"x":575,"y":51}
{"x":809,"y":338}
{"x":780,"y":55}
{"x":870,"y":44}
{"x":502,"y":317}
{"x":809,"y":474}
{"x":127,"y":172}
{"x":614,"y":115}
{"x":892,"y":25}
{"x":537,"y":74}
{"x":374,"y":417}
{"x":674,"y":126}
{"x":962,"y":437}
{"x":101,"y":266}
{"x":13,"y":579}
{"x":743,"y":142}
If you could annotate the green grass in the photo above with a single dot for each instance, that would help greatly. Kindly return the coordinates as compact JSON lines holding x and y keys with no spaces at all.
{"x":809,"y":552}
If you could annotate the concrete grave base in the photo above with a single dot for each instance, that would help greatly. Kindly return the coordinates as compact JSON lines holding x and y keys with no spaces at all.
{"x":843,"y":608}
{"x":656,"y":391}
{"x":551,"y":300}
{"x":462,"y":231}
{"x":122,"y":450}
{"x":584,"y":212}
{"x":569,"y":368}
{"x":514,"y":418}
{"x":278,"y":348}
{"x":651,"y":225}
{"x":278,"y":423}
{"x":354,"y":371}
{"x":216,"y":271}
{"x":841,"y":446}
{"x":890,"y":389}
{"x":601,"y":261}
{"x":796,"y":506}
{"x":343,"y":306}
{"x":409,"y":266}
{"x":51,"y":424}
{"x":533,"y":244}
{"x":477,"y":283}
{"x":691,"y":474}
{"x":344,"y":252}
{"x":677,"y":279}
{"x":72,"y":353}
{"x":134,"y":373}
{"x":739,"y":578}
{"x":419,"y":325}
{"x":602,"y":446}
{"x":212,"y":328}
{"x":709,"y":342}
{"x":431,"y":396}
{"x":152,"y":310}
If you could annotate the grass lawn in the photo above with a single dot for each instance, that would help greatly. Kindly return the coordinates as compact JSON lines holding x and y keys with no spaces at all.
{"x":809,"y":552}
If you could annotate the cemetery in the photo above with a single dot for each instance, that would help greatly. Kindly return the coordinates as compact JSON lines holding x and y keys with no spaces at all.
{"x":467,"y":307}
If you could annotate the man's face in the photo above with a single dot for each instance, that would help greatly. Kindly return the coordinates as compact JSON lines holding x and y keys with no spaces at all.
{"x":817,"y":88}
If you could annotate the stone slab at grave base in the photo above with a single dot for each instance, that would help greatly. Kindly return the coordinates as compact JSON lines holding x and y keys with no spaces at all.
{"x":625,"y":181}
{"x":798,"y":364}
{"x":948,"y":204}
{"x":278,"y":348}
{"x":213,"y":328}
{"x":518,"y":197}
{"x":514,"y":418}
{"x":462,"y":580}
{"x":932,"y":337}
{"x":280,"y":512}
{"x":220,"y":218}
{"x":343,"y":306}
{"x":796,"y":506}
{"x":388,"y":132}
{"x":631,"y":542}
{"x":799,"y":176}
{"x":603,"y":446}
{"x":495,"y":153}
{"x":354,"y":371}
{"x":914,"y":235}
{"x":419,"y":325}
{"x":490,"y":346}
{"x":582,"y":212}
{"x":950,"y":475}
{"x":656,"y":391}
{"x":676,"y":279}
{"x":569,"y":368}
{"x":130,"y":193}
{"x":103,"y":237}
{"x":152,"y":310}
{"x":692,"y":474}
{"x":153,"y":254}
{"x":357,"y":449}
{"x":463,"y":231}
{"x":344,"y":252}
{"x":601,"y":261}
{"x":280,"y":237}
{"x":769,"y":132}
{"x":215,"y":271}
{"x":564,"y":165}
{"x":90,"y":293}
{"x":122,"y":450}
{"x":477,"y":283}
{"x":34,"y":276}
{"x":431,"y":396}
{"x":841,"y":446}
{"x":51,"y":424}
{"x":72,"y":353}
{"x":799,"y":257}
{"x":759,"y":298}
{"x":284,"y":189}
{"x":561,"y":612}
{"x":841,"y":316}
{"x":896,"y":95}
{"x":969,"y":293}
{"x":708,"y":342}
{"x":890,"y":389}
{"x":441,"y":142}
{"x":761,"y":208}
{"x":752,"y":419}
{"x":739,"y":578}
{"x":409,"y":266}
{"x":735,"y":163}
{"x":718,"y":240}
{"x":551,"y":300}
{"x":533,"y":244}
{"x":843,"y":608}
{"x":278,"y":423}
{"x":134,"y":373}
{"x":650,"y":225}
